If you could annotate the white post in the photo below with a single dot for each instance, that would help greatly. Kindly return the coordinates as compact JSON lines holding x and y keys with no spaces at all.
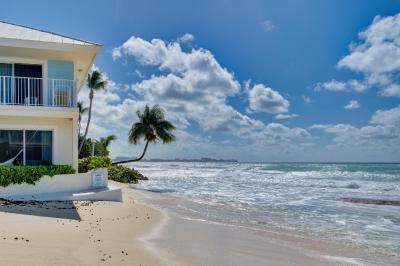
{"x":29,"y":88}
{"x":23,"y":147}
{"x":52,"y":89}
{"x":4,"y":89}
{"x":75,"y":141}
{"x":74,"y":94}
{"x":12,"y":90}
{"x":45,"y":83}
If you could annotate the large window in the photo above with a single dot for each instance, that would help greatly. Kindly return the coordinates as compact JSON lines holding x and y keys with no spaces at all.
{"x":11,"y":146}
{"x":26,"y":147}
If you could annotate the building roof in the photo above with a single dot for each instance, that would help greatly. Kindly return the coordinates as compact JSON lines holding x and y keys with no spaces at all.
{"x":18,"y":32}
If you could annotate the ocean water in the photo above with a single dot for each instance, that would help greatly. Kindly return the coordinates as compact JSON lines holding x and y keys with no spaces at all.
{"x":301,"y":197}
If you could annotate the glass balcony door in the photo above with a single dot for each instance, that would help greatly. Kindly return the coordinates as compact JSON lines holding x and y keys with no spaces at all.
{"x":28,"y":84}
{"x":6,"y":87}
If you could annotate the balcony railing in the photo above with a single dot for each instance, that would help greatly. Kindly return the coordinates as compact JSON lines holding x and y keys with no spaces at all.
{"x":37,"y":92}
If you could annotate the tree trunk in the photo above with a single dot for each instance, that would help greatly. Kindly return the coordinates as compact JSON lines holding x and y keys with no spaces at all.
{"x":79,"y":123}
{"x":88,"y":122}
{"x":137,"y":159}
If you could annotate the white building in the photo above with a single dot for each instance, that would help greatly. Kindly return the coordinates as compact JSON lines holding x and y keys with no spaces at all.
{"x":41,"y":74}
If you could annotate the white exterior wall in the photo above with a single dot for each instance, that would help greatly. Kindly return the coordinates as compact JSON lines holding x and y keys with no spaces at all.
{"x":65,"y":187}
{"x":38,"y":47}
{"x":46,"y":185}
{"x":65,"y":150}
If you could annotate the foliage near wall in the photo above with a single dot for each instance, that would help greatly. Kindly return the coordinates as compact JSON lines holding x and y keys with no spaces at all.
{"x":30,"y":174}
{"x":93,"y":162}
{"x":117,"y":173}
{"x":124,"y":174}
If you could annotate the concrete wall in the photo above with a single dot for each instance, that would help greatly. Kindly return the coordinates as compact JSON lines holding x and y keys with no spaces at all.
{"x":63,"y":134}
{"x":83,"y":186}
{"x":72,"y":183}
{"x":46,"y":185}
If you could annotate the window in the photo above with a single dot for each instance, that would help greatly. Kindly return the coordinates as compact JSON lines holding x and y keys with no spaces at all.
{"x":26,"y":147}
{"x":38,"y":147}
{"x":11,"y":146}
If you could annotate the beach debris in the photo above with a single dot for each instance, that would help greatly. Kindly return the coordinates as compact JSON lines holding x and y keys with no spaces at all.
{"x":372,"y":201}
{"x":353,"y":185}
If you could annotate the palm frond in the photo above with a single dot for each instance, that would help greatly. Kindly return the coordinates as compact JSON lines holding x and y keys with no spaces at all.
{"x":100,"y":85}
{"x":152,"y":126}
{"x":82,"y":109}
{"x":95,"y":80}
{"x":165,"y":136}
{"x":137,"y":131}
{"x":107,"y":140}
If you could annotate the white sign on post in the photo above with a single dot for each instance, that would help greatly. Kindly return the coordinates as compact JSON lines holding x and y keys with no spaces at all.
{"x":99,"y":178}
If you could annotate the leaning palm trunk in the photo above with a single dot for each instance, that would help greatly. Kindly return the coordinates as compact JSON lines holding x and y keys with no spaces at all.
{"x":88,"y":122}
{"x":137,"y":159}
{"x":151,"y":126}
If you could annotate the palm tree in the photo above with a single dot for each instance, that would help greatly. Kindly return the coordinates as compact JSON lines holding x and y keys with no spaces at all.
{"x":151,"y":126}
{"x":94,"y":82}
{"x":82,"y":111}
{"x":105,"y":142}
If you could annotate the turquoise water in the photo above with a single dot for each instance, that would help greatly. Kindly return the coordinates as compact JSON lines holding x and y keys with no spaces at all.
{"x":302,"y":197}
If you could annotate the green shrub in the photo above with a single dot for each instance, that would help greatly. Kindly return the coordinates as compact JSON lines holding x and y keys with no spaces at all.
{"x":30,"y":174}
{"x":123,"y":174}
{"x":117,"y":173}
{"x":90,"y":163}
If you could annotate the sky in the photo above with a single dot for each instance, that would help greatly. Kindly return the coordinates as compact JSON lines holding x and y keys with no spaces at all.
{"x":256,"y":81}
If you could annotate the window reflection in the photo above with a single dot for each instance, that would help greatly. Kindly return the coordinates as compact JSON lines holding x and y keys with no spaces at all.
{"x":38,"y":147}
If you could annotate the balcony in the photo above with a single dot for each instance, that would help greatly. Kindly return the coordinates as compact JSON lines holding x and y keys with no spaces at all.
{"x":37,"y":92}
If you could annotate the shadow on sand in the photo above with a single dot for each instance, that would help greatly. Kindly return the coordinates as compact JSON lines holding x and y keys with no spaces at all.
{"x":53,"y":209}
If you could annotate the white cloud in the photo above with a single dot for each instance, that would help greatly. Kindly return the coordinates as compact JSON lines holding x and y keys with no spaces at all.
{"x":139,"y":74}
{"x":383,"y":133}
{"x":353,"y":104}
{"x":376,"y":57}
{"x":306,"y":99}
{"x":335,"y":85}
{"x":187,"y":37}
{"x":263,"y":99}
{"x":387,"y":117}
{"x":319,"y":126}
{"x":379,"y":50}
{"x":268,"y":25}
{"x":286,"y":116}
{"x":193,"y":88}
{"x":393,"y":90}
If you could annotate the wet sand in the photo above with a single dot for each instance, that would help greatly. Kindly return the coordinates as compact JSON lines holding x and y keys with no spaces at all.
{"x":189,"y":240}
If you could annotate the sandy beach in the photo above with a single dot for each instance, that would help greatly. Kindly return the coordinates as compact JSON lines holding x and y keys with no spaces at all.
{"x":77,"y":233}
{"x":135,"y":233}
